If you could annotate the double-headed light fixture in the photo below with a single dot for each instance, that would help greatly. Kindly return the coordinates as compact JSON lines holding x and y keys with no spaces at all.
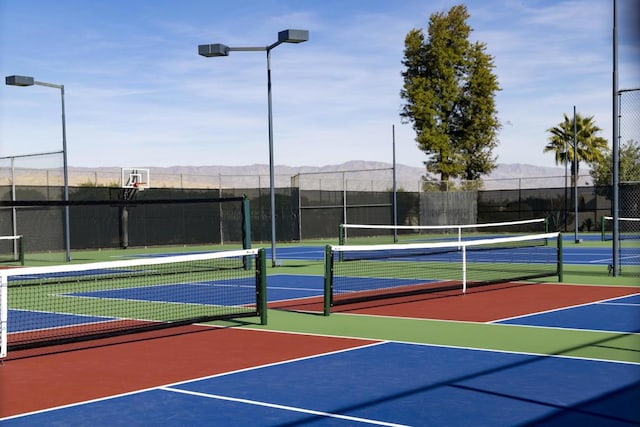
{"x":286,"y":36}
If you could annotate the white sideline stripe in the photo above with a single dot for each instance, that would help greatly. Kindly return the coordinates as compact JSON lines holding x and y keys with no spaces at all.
{"x":629,"y":304}
{"x":284,"y":407}
{"x":288,"y":288}
{"x":602,"y":301}
{"x":611,"y":259}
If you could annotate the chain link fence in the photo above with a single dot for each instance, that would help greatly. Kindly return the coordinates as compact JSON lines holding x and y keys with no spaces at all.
{"x":312,"y":205}
{"x":33,"y":177}
{"x":324,"y":200}
{"x":629,"y":191}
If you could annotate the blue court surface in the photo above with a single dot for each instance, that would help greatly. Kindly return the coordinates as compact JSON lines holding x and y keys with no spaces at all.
{"x":280,"y":287}
{"x":390,"y":384}
{"x":615,"y":315}
{"x":207,"y":293}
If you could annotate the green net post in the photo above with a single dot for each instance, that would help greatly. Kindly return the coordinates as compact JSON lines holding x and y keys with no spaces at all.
{"x":21,"y":249}
{"x":602,"y":232}
{"x":246,"y":223}
{"x":246,"y":230}
{"x":261,"y":285}
{"x":546,"y":225}
{"x":560,"y":262}
{"x":342,"y":237}
{"x":327,"y":279}
{"x":3,"y":315}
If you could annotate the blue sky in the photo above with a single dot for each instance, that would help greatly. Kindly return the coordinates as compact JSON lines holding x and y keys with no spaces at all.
{"x":138,"y":94}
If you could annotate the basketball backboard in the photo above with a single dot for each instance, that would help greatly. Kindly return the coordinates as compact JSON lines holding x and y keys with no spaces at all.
{"x":137,"y":178}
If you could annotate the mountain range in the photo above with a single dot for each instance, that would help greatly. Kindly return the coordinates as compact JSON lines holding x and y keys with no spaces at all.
{"x":367,"y":173}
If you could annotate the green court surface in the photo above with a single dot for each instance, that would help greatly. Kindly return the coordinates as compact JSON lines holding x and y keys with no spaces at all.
{"x":521,"y":339}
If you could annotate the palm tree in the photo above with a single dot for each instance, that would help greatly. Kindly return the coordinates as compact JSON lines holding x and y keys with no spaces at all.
{"x":591,"y":148}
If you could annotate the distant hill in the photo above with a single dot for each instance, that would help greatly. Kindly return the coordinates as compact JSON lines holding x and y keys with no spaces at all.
{"x":365,"y":174}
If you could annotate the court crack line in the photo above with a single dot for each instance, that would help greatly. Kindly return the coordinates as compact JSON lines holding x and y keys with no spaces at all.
{"x":284,"y":407}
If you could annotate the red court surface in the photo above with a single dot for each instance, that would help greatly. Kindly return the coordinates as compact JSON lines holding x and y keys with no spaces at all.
{"x":32,"y":381}
{"x":481,"y":304}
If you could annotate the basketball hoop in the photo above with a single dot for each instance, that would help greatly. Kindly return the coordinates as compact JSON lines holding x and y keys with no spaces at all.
{"x":135,"y":178}
{"x":140,"y":186}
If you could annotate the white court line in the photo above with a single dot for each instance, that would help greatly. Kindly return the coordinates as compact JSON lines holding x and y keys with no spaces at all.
{"x":284,"y":407}
{"x":607,"y":300}
{"x":626,"y":257}
{"x":621,"y":303}
{"x":288,"y":288}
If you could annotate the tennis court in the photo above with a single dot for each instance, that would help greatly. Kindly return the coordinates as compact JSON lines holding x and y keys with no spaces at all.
{"x":508,"y":353}
{"x":359,"y":383}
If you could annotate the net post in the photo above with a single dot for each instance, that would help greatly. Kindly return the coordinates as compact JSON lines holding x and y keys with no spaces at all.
{"x":602,"y":233}
{"x":4,"y":312}
{"x":246,"y":223}
{"x":560,"y":262}
{"x":261,"y":285}
{"x":546,"y":225}
{"x":341,"y":237}
{"x":328,"y":270}
{"x":464,"y":269}
{"x":246,"y":231}
{"x":21,"y":249}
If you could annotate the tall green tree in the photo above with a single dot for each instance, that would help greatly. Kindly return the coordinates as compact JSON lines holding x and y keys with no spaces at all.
{"x":629,"y":165}
{"x":449,"y":92}
{"x":590,"y":147}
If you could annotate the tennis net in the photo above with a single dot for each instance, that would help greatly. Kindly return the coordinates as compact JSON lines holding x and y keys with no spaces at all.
{"x":380,"y":234}
{"x":11,"y":249}
{"x":54,"y":304}
{"x":628,"y":228}
{"x":629,"y":243}
{"x":366,"y":272}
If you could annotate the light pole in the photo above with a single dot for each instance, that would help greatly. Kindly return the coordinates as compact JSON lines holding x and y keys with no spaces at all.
{"x":575,"y":174}
{"x":29,"y":81}
{"x":286,"y":36}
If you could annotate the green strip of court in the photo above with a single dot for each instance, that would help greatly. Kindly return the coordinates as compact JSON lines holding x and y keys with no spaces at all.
{"x":586,"y":344}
